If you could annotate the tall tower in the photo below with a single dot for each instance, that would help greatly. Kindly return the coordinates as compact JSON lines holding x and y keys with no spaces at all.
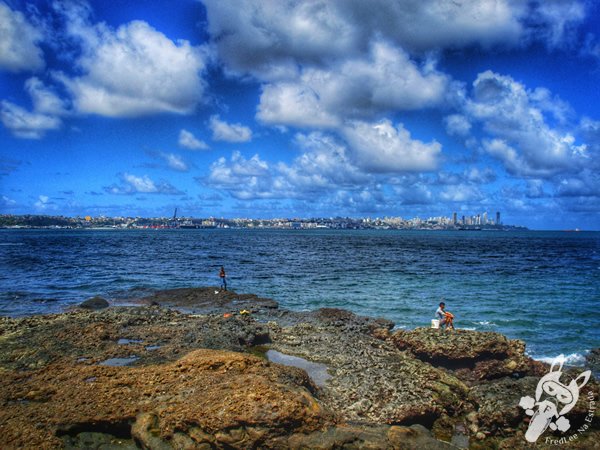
{"x":454,"y":218}
{"x":498,"y":218}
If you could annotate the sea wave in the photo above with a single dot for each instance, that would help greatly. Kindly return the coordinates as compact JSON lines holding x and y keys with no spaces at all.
{"x":574,"y":359}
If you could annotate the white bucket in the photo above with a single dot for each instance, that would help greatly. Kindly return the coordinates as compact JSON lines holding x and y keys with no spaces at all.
{"x":435,"y":323}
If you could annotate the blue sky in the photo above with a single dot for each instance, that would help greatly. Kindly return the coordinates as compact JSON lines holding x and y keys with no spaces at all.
{"x":263,"y":108}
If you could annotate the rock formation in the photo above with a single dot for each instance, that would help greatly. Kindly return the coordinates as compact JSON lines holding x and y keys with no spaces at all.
{"x":190,"y":371}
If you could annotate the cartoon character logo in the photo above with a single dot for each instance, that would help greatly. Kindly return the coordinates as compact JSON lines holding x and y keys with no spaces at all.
{"x":550,"y":395}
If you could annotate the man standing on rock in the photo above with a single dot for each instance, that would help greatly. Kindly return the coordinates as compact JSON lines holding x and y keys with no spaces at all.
{"x":223,"y":278}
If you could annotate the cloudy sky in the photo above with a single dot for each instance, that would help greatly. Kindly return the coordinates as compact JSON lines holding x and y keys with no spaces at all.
{"x":280,"y":108}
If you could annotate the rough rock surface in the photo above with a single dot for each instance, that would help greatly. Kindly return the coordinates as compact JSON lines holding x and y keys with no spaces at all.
{"x":474,"y":355}
{"x":210,"y":300}
{"x":200,"y":379}
{"x":207,"y":396}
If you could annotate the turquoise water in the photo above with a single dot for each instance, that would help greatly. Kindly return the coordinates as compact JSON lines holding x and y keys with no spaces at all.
{"x":542,"y":287}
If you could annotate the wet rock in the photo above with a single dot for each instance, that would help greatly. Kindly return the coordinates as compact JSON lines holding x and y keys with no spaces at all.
{"x":94,"y":303}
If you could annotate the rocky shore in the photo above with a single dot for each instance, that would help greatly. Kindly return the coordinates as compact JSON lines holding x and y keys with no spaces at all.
{"x":185,"y":369}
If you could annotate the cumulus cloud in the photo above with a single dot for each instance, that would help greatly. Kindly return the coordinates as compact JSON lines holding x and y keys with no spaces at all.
{"x":258,"y":36}
{"x":553,"y":22}
{"x":479,"y":175}
{"x":191,"y":142}
{"x":457,"y":125}
{"x":133,"y":70}
{"x":414,"y":194}
{"x":132,"y":184}
{"x":387,"y":80}
{"x":175,"y":162}
{"x":462,"y":193}
{"x":45,"y":100}
{"x":25,"y":124}
{"x":384,"y":148}
{"x":44,"y":203}
{"x":19,"y":39}
{"x":7,"y":202}
{"x":229,"y":132}
{"x":45,"y":116}
{"x":522,"y":137}
{"x":243,"y":178}
{"x":270,"y":38}
{"x":322,"y":167}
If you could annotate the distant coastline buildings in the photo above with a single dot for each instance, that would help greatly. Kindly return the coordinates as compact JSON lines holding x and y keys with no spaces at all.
{"x":471,"y":222}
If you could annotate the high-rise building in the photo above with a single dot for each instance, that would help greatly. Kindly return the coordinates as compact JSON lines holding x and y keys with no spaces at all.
{"x":497,"y":217}
{"x":484,"y":221}
{"x":454,"y":218}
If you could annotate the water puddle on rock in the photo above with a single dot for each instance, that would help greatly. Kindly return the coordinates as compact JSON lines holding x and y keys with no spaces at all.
{"x":118,"y":362}
{"x":152,"y":347}
{"x":124,"y":341}
{"x":316,"y":371}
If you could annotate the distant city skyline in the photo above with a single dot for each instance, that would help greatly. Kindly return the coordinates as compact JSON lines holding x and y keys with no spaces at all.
{"x":472,"y":222}
{"x":319,"y":108}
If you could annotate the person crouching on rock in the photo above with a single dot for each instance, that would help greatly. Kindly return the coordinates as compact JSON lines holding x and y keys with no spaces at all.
{"x":445,"y":318}
{"x":223,"y":278}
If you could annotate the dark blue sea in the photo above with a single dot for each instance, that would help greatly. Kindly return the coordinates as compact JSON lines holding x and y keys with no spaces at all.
{"x":541,"y":287}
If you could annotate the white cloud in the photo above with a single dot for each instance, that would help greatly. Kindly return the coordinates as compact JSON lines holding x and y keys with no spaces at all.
{"x":414,"y":194}
{"x":47,"y":109}
{"x":44,"y":203}
{"x":457,"y":125}
{"x":322,"y":168}
{"x":234,"y":132}
{"x":294,"y":104}
{"x":270,"y":38}
{"x":134,"y":70}
{"x":243,"y":178}
{"x":461,"y":193}
{"x":386,"y":80}
{"x":522,"y":138}
{"x":189,"y":141}
{"x":132,"y":184}
{"x":175,"y":162}
{"x":382,"y":148}
{"x":44,"y":99}
{"x":479,"y":176}
{"x":554,"y":20}
{"x":19,"y":40}
{"x":25,"y":124}
{"x":7,"y":202}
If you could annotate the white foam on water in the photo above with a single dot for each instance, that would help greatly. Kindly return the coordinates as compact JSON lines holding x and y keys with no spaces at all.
{"x":487,"y":323}
{"x":574,"y":359}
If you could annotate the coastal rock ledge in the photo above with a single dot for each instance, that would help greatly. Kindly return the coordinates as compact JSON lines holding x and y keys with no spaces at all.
{"x":186,"y":370}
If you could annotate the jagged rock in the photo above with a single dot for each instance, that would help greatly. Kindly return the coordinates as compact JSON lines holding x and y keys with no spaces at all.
{"x":181,"y":394}
{"x":474,"y":355}
{"x":94,"y":303}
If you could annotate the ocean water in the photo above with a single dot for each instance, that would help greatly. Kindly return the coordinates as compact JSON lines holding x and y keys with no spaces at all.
{"x":541,"y":287}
